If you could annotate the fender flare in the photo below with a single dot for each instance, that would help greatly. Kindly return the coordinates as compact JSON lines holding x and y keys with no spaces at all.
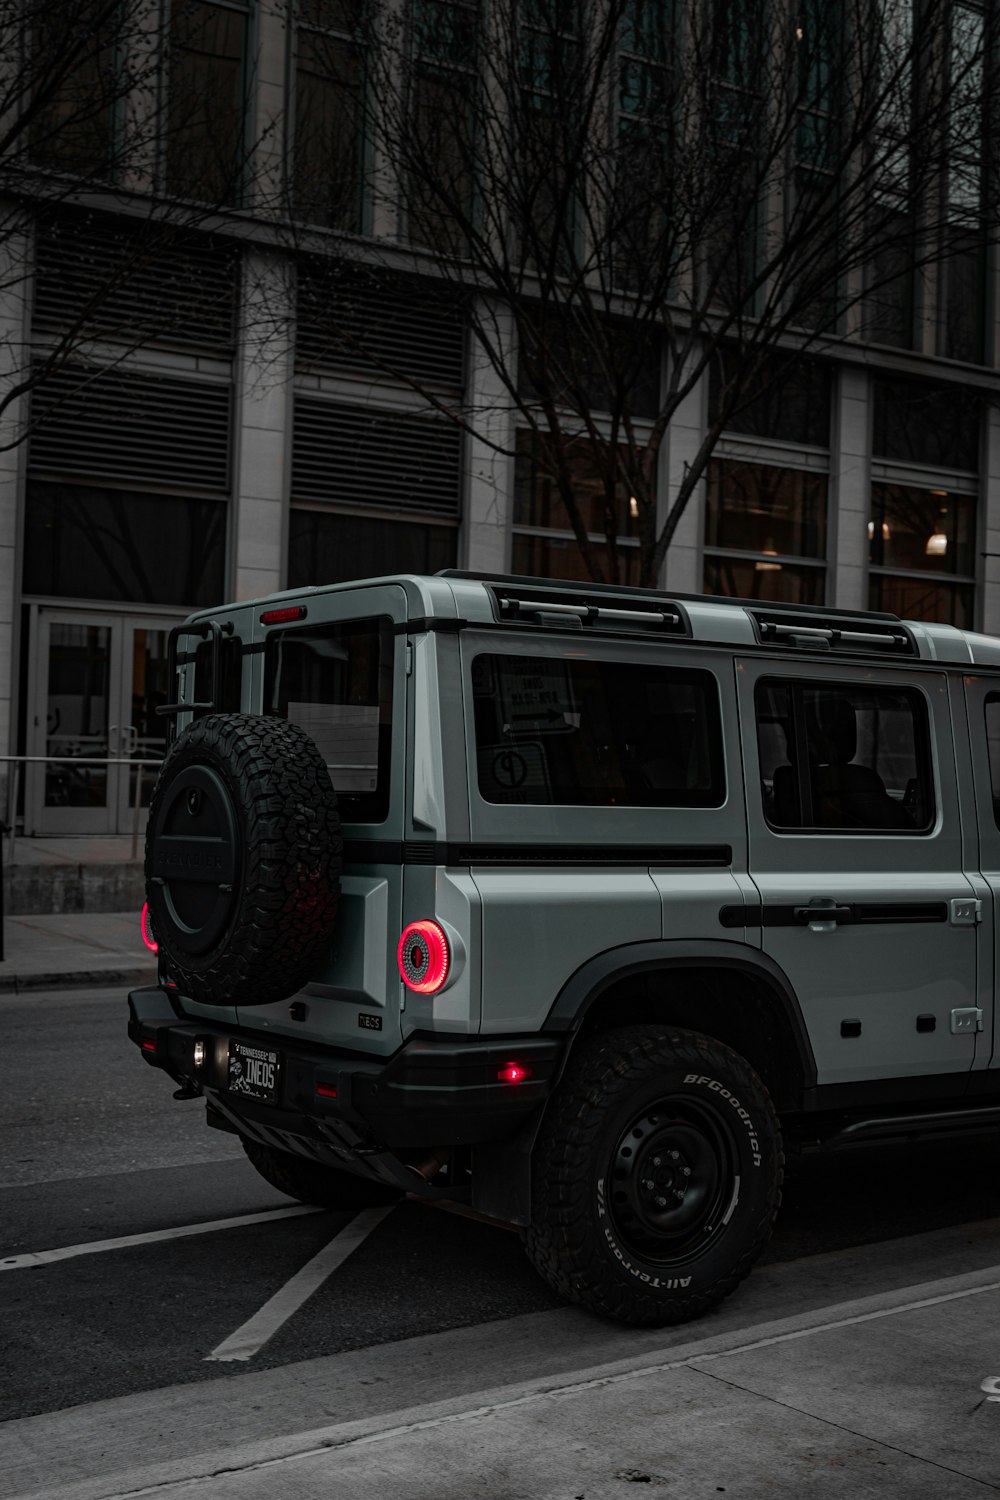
{"x":589,"y":982}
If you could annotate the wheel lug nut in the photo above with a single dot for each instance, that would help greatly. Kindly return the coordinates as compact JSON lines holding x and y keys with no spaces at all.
{"x":675,"y":1156}
{"x":649,"y":1184}
{"x":656,"y":1161}
{"x":678,"y":1192}
{"x":685,"y":1171}
{"x":661,"y":1202}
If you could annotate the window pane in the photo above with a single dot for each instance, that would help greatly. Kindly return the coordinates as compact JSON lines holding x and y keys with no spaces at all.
{"x":325,"y":547}
{"x":767,"y":581}
{"x":790,"y":402}
{"x":920,"y":599}
{"x":336,"y":682}
{"x":537,"y":501}
{"x":328,"y":133}
{"x":76,"y":87}
{"x":922,"y":530}
{"x":596,"y":733}
{"x":205,"y":114}
{"x":560,"y":557}
{"x":844,"y":758}
{"x":90,"y":543}
{"x":926,"y":424}
{"x":992,"y":712}
{"x":757,"y":507}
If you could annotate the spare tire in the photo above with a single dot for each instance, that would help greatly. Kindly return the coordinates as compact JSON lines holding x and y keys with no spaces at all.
{"x":243,"y":859}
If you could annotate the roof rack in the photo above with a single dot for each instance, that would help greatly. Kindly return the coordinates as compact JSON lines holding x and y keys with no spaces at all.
{"x":581,"y":607}
{"x":810,"y":631}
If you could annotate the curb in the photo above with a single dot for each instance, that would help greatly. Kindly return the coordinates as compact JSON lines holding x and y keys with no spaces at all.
{"x":19,"y":984}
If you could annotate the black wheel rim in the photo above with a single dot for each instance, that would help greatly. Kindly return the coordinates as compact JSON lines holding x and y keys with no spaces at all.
{"x":672,"y":1181}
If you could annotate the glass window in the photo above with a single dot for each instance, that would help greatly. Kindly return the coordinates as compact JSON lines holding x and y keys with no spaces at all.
{"x":85,"y":542}
{"x":550,"y":549}
{"x":329,"y":101}
{"x":924,"y":532}
{"x":844,"y":757}
{"x":778,"y":516}
{"x":596,"y":733}
{"x":76,"y":85}
{"x":443,"y":123}
{"x":335,"y":681}
{"x":206,"y":100}
{"x":788,"y":402}
{"x":915,"y":422}
{"x":330,"y":547}
{"x":992,"y":712}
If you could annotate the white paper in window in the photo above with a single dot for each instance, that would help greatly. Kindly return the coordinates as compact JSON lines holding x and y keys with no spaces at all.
{"x":346,"y":735}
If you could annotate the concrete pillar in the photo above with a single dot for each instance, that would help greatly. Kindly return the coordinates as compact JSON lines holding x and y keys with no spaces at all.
{"x":850,"y":491}
{"x":15,"y":301}
{"x":489,"y":464}
{"x":988,"y":531}
{"x":263,"y":425}
{"x":682,"y":572}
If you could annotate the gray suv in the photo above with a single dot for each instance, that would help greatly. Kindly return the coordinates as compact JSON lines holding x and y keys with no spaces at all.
{"x":578,"y":905}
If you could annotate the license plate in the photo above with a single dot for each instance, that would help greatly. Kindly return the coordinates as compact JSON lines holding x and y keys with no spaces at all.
{"x":253,"y":1072}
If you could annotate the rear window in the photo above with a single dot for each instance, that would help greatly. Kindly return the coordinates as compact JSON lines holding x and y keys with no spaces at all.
{"x":335,"y":681}
{"x":596,"y":733}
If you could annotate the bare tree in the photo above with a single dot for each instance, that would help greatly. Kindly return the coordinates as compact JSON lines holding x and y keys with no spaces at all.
{"x":626,"y":194}
{"x":125,"y":134}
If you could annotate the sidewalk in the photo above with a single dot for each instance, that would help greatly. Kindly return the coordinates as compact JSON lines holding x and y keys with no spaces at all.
{"x":73,"y":949}
{"x":886,"y":1396}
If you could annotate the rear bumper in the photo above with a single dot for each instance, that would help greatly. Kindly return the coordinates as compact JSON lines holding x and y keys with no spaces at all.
{"x":433,"y":1092}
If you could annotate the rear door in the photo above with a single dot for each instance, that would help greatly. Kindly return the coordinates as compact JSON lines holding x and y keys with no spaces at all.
{"x":982,"y":704}
{"x":856,"y":850}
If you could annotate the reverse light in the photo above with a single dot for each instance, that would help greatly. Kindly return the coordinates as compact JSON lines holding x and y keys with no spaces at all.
{"x":147,"y":930}
{"x":423,"y":957}
{"x":513,"y":1073}
{"x":199,"y":1054}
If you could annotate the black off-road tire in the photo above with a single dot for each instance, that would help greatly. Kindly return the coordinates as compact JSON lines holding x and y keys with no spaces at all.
{"x":656,"y":1176}
{"x":311,"y":1182}
{"x":243,"y":859}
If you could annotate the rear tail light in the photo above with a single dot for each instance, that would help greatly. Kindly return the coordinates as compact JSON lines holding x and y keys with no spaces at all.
{"x":514,"y":1073}
{"x":423,"y":957}
{"x":147,"y":930}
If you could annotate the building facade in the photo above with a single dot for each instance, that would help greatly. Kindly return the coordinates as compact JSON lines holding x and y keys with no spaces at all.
{"x":238,"y":414}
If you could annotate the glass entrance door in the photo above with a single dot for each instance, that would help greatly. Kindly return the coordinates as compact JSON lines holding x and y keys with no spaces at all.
{"x":96,"y":683}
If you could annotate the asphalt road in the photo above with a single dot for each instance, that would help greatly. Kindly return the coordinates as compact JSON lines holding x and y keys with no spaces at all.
{"x":93,"y":1147}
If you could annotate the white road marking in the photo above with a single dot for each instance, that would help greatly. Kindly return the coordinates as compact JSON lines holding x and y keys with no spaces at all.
{"x":248,"y":1339}
{"x":94,"y":1247}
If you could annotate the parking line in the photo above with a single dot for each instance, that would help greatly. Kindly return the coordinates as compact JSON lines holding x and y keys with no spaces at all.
{"x":94,"y":1247}
{"x":254,"y":1334}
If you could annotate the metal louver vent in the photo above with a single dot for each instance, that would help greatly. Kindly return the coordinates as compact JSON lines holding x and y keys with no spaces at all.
{"x":142,"y":283}
{"x":389,"y":460}
{"x":144,"y":429}
{"x":378,"y":322}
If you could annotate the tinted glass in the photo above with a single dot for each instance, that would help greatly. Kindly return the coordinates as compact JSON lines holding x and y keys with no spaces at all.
{"x":737,"y":578}
{"x":992,"y":712}
{"x":85,"y":542}
{"x":537,"y":501}
{"x":324,"y":547}
{"x":594,"y":733}
{"x":335,"y":681}
{"x":926,"y":424}
{"x":761,"y":508}
{"x":922,"y":530}
{"x":788,"y":402}
{"x":844,"y":758}
{"x":560,"y":557}
{"x":923,"y":599}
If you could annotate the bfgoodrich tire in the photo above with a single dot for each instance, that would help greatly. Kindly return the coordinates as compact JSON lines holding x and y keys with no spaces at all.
{"x":656,"y":1176}
{"x":243,"y":859}
{"x":310,"y":1182}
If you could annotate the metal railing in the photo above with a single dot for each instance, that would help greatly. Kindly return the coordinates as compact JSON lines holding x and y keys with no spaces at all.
{"x":14,"y":785}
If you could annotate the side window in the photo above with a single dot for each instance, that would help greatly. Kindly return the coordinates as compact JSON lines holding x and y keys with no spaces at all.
{"x":992,"y":711}
{"x":335,"y":681}
{"x":844,"y":757}
{"x":596,"y":733}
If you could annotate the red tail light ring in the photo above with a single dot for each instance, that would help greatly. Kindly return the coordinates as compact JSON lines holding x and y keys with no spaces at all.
{"x":423,"y":957}
{"x":147,"y":930}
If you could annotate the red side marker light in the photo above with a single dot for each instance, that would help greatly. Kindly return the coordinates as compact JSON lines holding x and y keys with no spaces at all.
{"x":283,"y":616}
{"x":326,"y":1090}
{"x":423,"y":957}
{"x":149,"y":1046}
{"x":514,"y":1073}
{"x":147,"y":930}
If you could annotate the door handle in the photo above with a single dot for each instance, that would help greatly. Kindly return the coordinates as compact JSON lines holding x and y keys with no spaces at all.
{"x":130,"y":738}
{"x":822,"y":914}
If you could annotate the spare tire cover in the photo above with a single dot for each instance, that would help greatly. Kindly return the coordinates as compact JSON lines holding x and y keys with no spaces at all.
{"x":243,"y":859}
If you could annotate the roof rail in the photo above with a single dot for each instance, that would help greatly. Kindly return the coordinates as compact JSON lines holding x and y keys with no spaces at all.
{"x":580,"y":607}
{"x":810,"y":631}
